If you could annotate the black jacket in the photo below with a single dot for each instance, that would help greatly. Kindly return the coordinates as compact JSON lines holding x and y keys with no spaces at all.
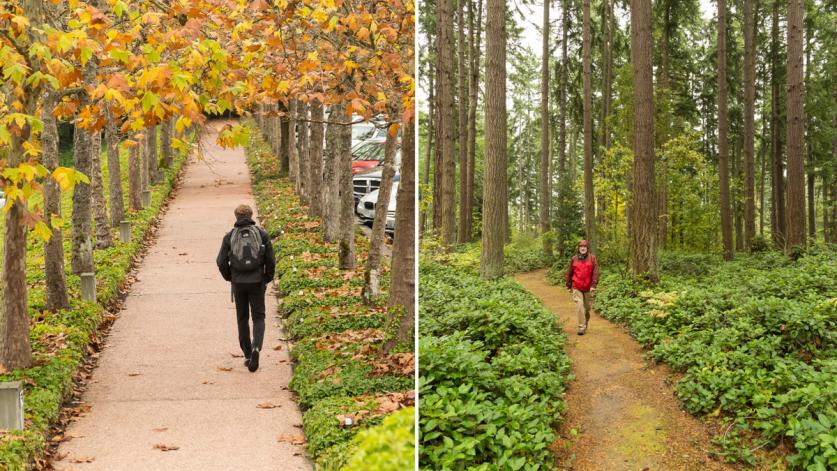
{"x":256,"y":276}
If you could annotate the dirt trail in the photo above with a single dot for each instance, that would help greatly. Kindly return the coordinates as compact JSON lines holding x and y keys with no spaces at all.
{"x":623,"y":414}
{"x":171,"y":374}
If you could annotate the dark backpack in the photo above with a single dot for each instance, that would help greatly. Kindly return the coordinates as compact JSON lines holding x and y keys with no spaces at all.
{"x":246,"y":249}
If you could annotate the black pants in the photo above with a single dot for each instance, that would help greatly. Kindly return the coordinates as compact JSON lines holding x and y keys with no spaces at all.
{"x":249,"y":298}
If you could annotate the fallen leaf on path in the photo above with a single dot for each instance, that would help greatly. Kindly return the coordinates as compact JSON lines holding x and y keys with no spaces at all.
{"x":61,"y":456}
{"x":278,"y":347}
{"x":161,"y":429}
{"x":295,"y":439}
{"x":223,"y":368}
{"x":208,"y":382}
{"x":83,"y":459}
{"x":134,"y":374}
{"x":163,"y":447}
{"x":267,"y":405}
{"x":182,"y":254}
{"x":236,"y":355}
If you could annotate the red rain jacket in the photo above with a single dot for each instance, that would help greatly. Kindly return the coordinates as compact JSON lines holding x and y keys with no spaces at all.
{"x":583,"y":275}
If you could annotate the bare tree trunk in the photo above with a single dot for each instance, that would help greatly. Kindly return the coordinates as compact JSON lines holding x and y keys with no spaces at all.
{"x":304,"y":168}
{"x":82,"y":255}
{"x":151,"y":156}
{"x":56,"y":282}
{"x":166,"y":132}
{"x":284,"y":147}
{"x":315,"y":159}
{"x":812,"y":210}
{"x":347,"y":213}
{"x":473,"y":84}
{"x":431,"y":119}
{"x":402,"y":300}
{"x":117,"y":201}
{"x":135,"y":180}
{"x":723,"y":163}
{"x":464,"y":231}
{"x":545,"y":196}
{"x":644,"y":208}
{"x":763,"y":158}
{"x":562,"y":128}
{"x":778,"y":179}
{"x":749,"y":121}
{"x":293,"y":155}
{"x":372,"y":276}
{"x":331,"y":184}
{"x":100,"y":212}
{"x":796,"y":129}
{"x":445,"y":128}
{"x":495,"y":199}
{"x":589,"y":197}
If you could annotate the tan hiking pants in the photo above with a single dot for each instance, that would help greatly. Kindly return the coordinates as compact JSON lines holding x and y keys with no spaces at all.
{"x":583,"y":305}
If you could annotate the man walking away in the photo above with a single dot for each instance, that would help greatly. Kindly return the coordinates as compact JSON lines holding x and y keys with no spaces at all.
{"x":246,"y":259}
{"x":582,"y":278}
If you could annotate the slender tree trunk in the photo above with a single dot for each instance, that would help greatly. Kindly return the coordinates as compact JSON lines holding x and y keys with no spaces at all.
{"x":372,"y":276}
{"x":347,"y":213}
{"x":166,"y":132}
{"x":315,"y":158}
{"x":152,"y":159}
{"x":763,"y":158}
{"x":562,"y":129}
{"x":145,"y":181}
{"x":644,"y":208}
{"x":82,"y":255}
{"x":464,"y":231}
{"x":473,"y":85}
{"x":56,"y":283}
{"x":831,"y":207}
{"x":445,"y":128}
{"x":135,"y":177}
{"x":331,"y":183}
{"x":284,"y":147}
{"x":545,"y":196}
{"x":796,"y":129}
{"x":431,"y":119}
{"x":117,"y":200}
{"x":402,"y":300}
{"x":293,"y":155}
{"x":723,"y":163}
{"x":737,"y":209}
{"x":495,"y":199}
{"x":749,"y":120}
{"x":104,"y":238}
{"x":778,"y":179}
{"x":664,"y":127}
{"x":589,"y":197}
{"x":304,"y":166}
{"x":812,"y":210}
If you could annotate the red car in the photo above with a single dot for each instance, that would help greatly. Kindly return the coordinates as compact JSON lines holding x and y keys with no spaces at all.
{"x":370,"y":154}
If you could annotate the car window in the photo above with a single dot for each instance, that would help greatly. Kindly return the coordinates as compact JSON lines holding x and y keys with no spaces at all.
{"x":370,"y":151}
{"x":361,"y":133}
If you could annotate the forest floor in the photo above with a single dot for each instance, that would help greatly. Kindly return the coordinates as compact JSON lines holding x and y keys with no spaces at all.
{"x":623,"y":414}
{"x":170,"y":390}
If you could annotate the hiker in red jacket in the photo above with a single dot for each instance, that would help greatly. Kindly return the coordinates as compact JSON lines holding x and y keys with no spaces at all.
{"x":582,"y":278}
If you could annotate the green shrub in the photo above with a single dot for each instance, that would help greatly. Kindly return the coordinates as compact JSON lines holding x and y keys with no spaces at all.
{"x":492,"y":373}
{"x":386,"y":447}
{"x":755,"y":339}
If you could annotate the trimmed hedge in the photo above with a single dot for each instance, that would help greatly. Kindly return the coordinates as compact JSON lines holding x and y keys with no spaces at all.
{"x":60,"y":339}
{"x":492,"y":375}
{"x":335,"y":336}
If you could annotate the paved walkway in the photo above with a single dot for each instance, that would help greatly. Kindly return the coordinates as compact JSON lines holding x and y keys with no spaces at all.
{"x":160,"y":380}
{"x":623,"y":414}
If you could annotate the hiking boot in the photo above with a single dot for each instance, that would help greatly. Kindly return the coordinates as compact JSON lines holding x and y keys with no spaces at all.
{"x":253,"y":364}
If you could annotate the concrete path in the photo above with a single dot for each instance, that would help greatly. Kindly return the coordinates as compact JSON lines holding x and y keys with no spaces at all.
{"x":622,"y":415}
{"x":160,"y":381}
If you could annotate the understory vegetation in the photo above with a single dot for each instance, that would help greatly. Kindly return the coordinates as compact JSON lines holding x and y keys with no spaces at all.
{"x":492,"y":375}
{"x":62,"y":340}
{"x":354,"y":400}
{"x":755,"y":339}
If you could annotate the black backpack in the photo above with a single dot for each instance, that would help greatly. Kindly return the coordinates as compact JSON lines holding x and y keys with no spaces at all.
{"x":246,"y":249}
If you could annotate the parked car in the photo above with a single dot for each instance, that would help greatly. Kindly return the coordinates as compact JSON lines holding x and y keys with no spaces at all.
{"x":366,"y":130}
{"x":368,"y":181}
{"x":366,"y":207}
{"x":370,"y":154}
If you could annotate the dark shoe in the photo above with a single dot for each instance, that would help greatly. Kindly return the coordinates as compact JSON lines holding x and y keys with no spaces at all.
{"x":246,"y":362}
{"x":253,"y":364}
{"x":581,"y":331}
